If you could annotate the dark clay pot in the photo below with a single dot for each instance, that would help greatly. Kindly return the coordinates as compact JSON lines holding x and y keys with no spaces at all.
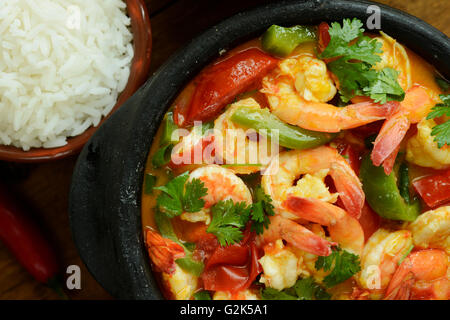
{"x":106,"y":187}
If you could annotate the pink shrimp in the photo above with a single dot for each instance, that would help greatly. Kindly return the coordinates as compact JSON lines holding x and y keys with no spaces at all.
{"x":163,"y":252}
{"x":427,"y":267}
{"x":287,"y":104}
{"x":296,"y":235}
{"x":289,"y":165}
{"x":343,"y":228}
{"x":413,"y":109}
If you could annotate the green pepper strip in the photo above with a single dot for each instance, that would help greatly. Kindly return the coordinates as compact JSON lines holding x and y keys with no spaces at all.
{"x":149,"y":183}
{"x":291,"y":137}
{"x":166,"y":229}
{"x":202,"y":295}
{"x":169,"y":127}
{"x":383,"y":195}
{"x":282,"y":41}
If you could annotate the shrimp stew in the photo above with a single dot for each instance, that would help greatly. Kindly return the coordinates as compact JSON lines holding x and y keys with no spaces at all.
{"x":310,"y":163}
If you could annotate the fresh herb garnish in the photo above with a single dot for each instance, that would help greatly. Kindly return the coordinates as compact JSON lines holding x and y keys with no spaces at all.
{"x":304,"y":289}
{"x":260,"y":211}
{"x":441,"y":132}
{"x":342,"y":264}
{"x":356,"y":55}
{"x":180,"y":196}
{"x":228,"y":218}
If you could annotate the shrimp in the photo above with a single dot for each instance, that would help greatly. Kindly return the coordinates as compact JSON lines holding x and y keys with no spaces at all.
{"x":181,"y":284}
{"x":163,"y":252}
{"x":422,"y":150}
{"x":432,"y":229}
{"x":234,"y":144}
{"x":280,"y":266}
{"x":343,"y":228}
{"x":298,"y":99}
{"x":422,"y":275}
{"x":380,"y":259}
{"x":222,"y":184}
{"x":290,"y":165}
{"x":296,"y":235}
{"x":416,"y":105}
{"x":395,"y":56}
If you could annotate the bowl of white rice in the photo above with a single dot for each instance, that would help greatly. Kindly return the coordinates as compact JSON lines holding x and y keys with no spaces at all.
{"x":65,"y":67}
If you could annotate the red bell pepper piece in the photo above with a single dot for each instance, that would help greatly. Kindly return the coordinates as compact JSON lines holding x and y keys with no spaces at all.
{"x":217,"y":85}
{"x":434,"y":189}
{"x":26,"y":241}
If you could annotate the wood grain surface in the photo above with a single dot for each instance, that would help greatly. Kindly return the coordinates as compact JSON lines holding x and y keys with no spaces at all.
{"x":46,"y":186}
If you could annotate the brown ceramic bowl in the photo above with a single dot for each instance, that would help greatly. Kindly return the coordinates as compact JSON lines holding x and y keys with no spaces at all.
{"x":140,"y":66}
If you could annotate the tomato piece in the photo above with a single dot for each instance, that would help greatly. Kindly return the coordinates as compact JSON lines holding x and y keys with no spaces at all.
{"x":232,"y":268}
{"x":434,"y":189}
{"x":217,"y":85}
{"x":235,"y":254}
{"x":324,"y":36}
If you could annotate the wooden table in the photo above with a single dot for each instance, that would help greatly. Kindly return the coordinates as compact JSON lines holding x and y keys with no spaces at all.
{"x":46,"y":186}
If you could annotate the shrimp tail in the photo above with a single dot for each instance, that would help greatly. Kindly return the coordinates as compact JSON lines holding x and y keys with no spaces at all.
{"x":387,"y":143}
{"x":163,"y":252}
{"x":349,"y":187}
{"x":297,"y":235}
{"x":343,"y":228}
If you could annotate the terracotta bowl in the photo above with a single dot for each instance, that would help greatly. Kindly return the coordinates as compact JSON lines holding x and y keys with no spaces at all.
{"x":142,"y":39}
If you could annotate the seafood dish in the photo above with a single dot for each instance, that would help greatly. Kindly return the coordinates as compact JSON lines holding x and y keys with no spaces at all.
{"x":311,"y":163}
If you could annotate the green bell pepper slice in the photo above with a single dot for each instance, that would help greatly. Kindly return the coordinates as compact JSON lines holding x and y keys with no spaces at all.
{"x":282,"y":41}
{"x":383,"y":194}
{"x":166,"y":229}
{"x":168,"y":129}
{"x":291,"y":137}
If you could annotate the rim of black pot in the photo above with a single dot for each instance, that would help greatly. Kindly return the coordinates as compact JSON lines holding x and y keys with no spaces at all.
{"x":105,"y":195}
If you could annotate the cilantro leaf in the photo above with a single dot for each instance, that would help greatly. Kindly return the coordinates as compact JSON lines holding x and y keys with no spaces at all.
{"x":385,"y":87}
{"x":194,"y":191}
{"x":353,"y":77}
{"x":274,"y":294}
{"x":227,"y":220}
{"x":303,"y":289}
{"x":260,"y":211}
{"x":357,"y":54}
{"x":441,"y":132}
{"x":176,"y":197}
{"x":342,"y":264}
{"x":308,"y":289}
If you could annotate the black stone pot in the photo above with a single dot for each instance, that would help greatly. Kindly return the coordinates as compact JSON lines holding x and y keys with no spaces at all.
{"x":106,"y":187}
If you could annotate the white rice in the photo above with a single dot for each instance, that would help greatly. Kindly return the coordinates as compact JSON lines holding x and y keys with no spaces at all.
{"x":63,"y":64}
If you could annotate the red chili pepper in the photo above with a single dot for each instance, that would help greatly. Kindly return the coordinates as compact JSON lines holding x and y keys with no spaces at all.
{"x":232,"y":268}
{"x":434,"y":189}
{"x":26,"y":241}
{"x":217,"y":85}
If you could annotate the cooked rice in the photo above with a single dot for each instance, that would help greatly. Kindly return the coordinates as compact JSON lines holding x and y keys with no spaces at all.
{"x":58,"y":77}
